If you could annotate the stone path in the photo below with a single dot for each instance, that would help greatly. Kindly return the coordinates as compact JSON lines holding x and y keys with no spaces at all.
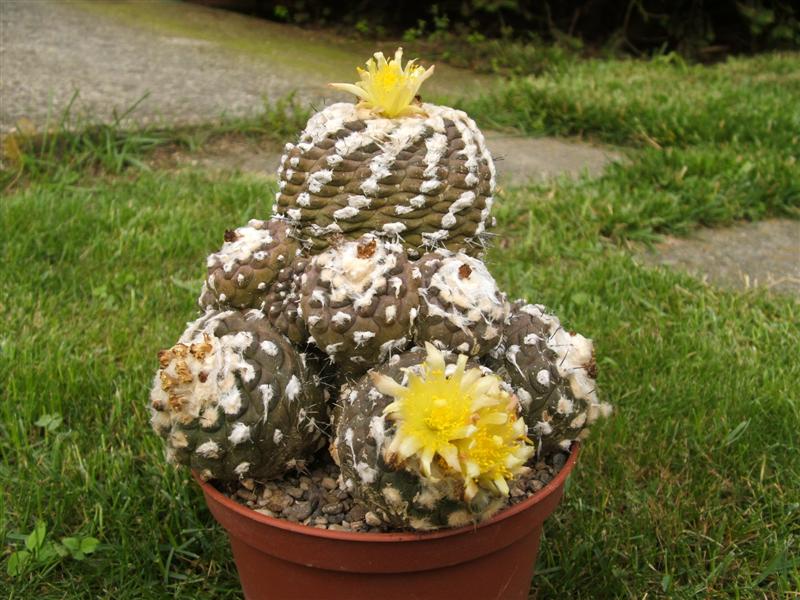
{"x":766,"y":254}
{"x":196,"y":64}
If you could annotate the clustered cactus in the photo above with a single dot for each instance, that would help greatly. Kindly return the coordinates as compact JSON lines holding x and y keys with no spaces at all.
{"x":361,"y":316}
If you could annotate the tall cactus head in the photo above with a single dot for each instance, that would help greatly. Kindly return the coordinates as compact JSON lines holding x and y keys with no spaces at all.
{"x":391,"y":166}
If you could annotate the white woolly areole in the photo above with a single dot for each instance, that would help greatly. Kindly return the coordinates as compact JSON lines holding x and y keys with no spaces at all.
{"x":249,"y":240}
{"x":358,"y":201}
{"x":269,"y":348}
{"x":366,"y":473}
{"x":348,"y":212}
{"x":352,"y":278}
{"x":476,"y":296}
{"x":211,"y":380}
{"x":362,"y":337}
{"x":573,"y":357}
{"x":209,"y":449}
{"x":341,"y":318}
{"x":240,"y":433}
{"x":543,"y":377}
{"x":293,"y":388}
{"x":574,"y":354}
{"x":377,"y":431}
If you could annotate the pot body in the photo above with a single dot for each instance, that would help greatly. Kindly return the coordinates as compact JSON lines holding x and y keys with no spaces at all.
{"x":278,"y":559}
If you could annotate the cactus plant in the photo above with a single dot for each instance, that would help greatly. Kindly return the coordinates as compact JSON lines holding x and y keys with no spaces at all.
{"x":430,"y":440}
{"x":390,"y":166}
{"x":233,"y":398}
{"x":461,"y":307}
{"x":368,"y":279}
{"x":553,"y":373}
{"x":359,"y":300}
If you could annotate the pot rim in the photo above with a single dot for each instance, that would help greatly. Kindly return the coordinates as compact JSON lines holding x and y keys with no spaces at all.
{"x":289,"y":526}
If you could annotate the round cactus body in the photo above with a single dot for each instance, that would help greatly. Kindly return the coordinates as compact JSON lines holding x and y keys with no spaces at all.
{"x":282,"y":301}
{"x":359,"y":300}
{"x":461,"y":308}
{"x":234,"y":399}
{"x":426,"y":180}
{"x":240,"y":274}
{"x":553,"y":373}
{"x":429,"y":440}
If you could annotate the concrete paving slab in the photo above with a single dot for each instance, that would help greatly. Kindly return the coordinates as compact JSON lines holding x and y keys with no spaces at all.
{"x":522,"y":160}
{"x":765,"y":254}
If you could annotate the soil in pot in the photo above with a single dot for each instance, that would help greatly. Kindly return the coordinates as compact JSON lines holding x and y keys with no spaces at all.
{"x":314,"y":498}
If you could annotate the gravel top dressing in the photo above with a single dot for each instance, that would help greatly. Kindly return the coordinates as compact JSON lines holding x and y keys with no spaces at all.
{"x":315,"y":498}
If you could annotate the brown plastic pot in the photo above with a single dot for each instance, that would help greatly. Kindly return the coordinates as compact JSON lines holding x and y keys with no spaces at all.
{"x":279,"y":559}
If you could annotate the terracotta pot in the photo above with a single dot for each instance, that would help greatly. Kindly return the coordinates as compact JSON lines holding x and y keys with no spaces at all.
{"x":279,"y":559}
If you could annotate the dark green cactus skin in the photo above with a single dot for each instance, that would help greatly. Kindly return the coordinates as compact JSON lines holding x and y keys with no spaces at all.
{"x":358,"y":335}
{"x":241,"y":273}
{"x":529,"y":360}
{"x":282,"y":301}
{"x":413,"y":197}
{"x":229,"y":436}
{"x":401,"y":497}
{"x":473,"y":327}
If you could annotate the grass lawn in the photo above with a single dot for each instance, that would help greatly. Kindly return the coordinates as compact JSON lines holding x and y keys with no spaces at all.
{"x":692,"y":489}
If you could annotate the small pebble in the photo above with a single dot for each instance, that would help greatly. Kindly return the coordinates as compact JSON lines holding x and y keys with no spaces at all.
{"x":294,"y":492}
{"x":357,"y":513}
{"x":265,"y":511}
{"x":329,"y":483}
{"x":279,"y":501}
{"x":299,"y":511}
{"x":246,"y":495}
{"x":248,"y":484}
{"x":372,"y":519}
{"x":332,"y":509}
{"x":335,"y":518}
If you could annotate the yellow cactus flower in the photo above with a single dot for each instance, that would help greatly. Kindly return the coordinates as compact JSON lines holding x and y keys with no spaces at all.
{"x":386,"y":87}
{"x":496,"y":451}
{"x":464,"y":420}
